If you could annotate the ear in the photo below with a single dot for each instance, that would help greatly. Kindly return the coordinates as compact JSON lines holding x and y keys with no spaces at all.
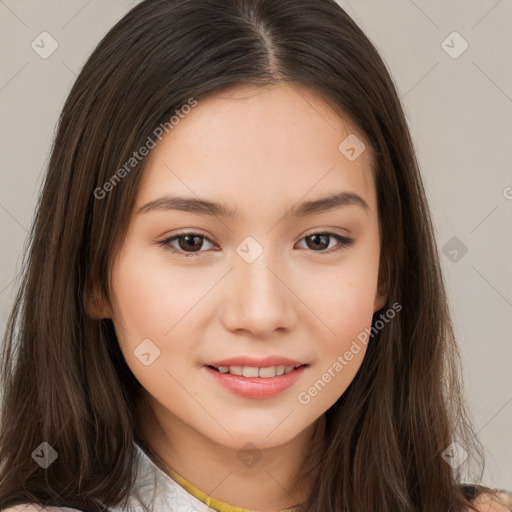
{"x":96,"y":306}
{"x":380,"y":299}
{"x":381,"y":295}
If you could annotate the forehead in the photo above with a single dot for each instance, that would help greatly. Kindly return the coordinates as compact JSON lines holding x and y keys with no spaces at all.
{"x":263,"y":144}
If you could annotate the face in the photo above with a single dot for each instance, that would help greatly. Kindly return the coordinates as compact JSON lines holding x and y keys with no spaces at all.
{"x":275,"y":284}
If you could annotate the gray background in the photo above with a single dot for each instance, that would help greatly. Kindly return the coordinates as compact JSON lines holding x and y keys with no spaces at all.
{"x":459,"y":110}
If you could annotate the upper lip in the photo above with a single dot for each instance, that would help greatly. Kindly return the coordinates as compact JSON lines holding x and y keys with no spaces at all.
{"x":258,"y":362}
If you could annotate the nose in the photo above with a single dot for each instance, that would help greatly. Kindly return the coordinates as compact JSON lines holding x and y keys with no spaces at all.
{"x":259,"y":300}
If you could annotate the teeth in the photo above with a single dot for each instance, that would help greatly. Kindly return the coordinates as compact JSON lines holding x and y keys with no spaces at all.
{"x":280,"y":370}
{"x":235,"y":370}
{"x":250,"y":371}
{"x":253,"y":371}
{"x":265,"y":373}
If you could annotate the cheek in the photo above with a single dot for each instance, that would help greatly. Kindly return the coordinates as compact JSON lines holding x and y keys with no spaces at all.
{"x":343,"y":300}
{"x":149,"y":301}
{"x":342,"y":297}
{"x":140,"y":302}
{"x":345,"y":305}
{"x":152,"y":296}
{"x":346,"y":318}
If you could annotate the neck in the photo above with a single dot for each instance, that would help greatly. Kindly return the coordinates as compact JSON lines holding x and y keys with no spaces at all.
{"x":270,"y":484}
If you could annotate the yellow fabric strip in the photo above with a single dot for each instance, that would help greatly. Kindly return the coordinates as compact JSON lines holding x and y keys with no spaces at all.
{"x":214,"y":503}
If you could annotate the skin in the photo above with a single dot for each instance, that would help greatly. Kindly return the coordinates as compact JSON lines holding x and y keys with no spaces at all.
{"x":260,"y":150}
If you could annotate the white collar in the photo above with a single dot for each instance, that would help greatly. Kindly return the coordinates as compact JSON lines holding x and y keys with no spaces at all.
{"x":155,"y":491}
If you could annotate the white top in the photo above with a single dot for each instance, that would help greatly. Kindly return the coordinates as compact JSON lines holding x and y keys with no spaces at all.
{"x":153,"y":491}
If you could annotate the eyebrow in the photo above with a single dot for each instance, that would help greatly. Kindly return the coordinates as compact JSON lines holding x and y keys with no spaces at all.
{"x":205,"y":207}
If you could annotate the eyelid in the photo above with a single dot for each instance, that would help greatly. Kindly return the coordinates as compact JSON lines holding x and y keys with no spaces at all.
{"x":165,"y":243}
{"x":344,"y":242}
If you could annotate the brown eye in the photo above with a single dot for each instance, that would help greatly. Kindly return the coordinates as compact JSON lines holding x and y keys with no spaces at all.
{"x":189,"y":244}
{"x":319,"y":242}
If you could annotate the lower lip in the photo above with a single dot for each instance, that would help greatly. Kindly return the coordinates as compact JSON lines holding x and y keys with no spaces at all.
{"x":256,"y":387}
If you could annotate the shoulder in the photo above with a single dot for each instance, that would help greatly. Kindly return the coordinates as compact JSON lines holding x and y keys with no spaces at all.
{"x":32,"y":507}
{"x":502,"y":502}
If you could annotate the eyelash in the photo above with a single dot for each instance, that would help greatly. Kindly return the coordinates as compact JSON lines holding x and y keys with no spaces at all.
{"x":343,"y":241}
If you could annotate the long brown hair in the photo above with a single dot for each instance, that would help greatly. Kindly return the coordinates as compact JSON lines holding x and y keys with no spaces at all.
{"x":64,"y":378}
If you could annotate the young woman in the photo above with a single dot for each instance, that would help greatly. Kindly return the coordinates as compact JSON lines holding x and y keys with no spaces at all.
{"x":232,"y":298}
